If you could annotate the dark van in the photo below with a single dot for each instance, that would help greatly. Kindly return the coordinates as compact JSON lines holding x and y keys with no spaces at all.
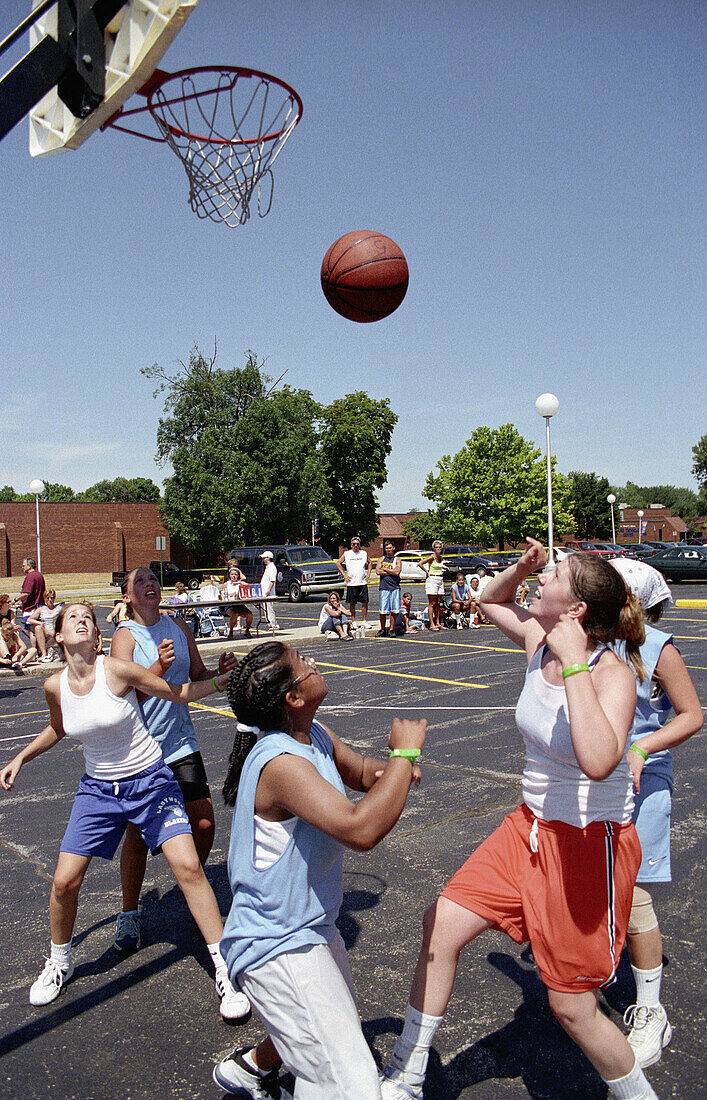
{"x":301,"y":570}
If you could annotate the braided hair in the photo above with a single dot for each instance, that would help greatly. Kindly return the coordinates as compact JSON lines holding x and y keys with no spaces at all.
{"x":256,"y":691}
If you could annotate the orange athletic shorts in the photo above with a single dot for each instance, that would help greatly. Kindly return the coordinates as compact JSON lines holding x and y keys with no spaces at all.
{"x":571,"y":898}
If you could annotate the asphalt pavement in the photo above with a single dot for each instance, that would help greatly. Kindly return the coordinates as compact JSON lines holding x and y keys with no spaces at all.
{"x":148,"y":1025}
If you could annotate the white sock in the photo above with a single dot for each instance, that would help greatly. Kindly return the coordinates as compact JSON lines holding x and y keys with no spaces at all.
{"x":412,"y":1049}
{"x":60,"y":953}
{"x":648,"y":986}
{"x":633,"y":1086}
{"x":216,"y":956}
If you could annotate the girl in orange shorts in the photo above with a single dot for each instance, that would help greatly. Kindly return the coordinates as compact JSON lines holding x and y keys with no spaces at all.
{"x":559,"y":871}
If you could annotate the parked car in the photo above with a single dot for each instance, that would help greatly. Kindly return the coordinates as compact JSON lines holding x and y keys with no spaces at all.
{"x":585,"y":547}
{"x":681,"y":563}
{"x":301,"y":570}
{"x":167,"y":573}
{"x":638,"y":550}
{"x":614,"y":548}
{"x":410,"y":570}
{"x":468,"y":563}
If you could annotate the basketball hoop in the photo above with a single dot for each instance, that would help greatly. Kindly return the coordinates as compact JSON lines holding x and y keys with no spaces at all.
{"x":227,"y":126}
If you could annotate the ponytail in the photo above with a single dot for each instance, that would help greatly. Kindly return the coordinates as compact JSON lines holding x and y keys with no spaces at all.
{"x":632,"y":631}
{"x":613,"y":612}
{"x":256,"y":691}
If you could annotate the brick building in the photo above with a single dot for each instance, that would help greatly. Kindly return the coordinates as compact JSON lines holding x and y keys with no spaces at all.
{"x":657,"y":524}
{"x":80,"y":538}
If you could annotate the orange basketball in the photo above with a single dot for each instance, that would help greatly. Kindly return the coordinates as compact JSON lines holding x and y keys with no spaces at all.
{"x":364,"y":276}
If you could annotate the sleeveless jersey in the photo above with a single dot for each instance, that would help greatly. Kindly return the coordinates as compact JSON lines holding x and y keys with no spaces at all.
{"x":554,"y":786}
{"x":115,"y":742}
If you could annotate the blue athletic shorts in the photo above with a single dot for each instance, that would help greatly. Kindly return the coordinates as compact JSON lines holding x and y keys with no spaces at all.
{"x":651,"y":816}
{"x":150,"y":800}
{"x":389,"y":600}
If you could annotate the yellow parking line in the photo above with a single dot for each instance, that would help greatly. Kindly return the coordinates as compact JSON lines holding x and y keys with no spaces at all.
{"x":214,"y":710}
{"x":691,"y":604}
{"x":24,"y":713}
{"x":402,"y":675}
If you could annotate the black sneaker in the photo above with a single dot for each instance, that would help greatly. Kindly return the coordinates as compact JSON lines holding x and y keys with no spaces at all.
{"x":382,"y":633}
{"x":127,"y":932}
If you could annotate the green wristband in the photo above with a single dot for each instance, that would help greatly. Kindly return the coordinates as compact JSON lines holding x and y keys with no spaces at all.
{"x":639,"y":750}
{"x":572,"y":670}
{"x":407,"y":754}
{"x":216,"y":687}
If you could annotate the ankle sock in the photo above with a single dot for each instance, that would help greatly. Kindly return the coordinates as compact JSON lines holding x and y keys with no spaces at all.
{"x":216,"y":956}
{"x":412,"y":1049}
{"x":250,"y":1062}
{"x":60,"y":953}
{"x":648,"y":986}
{"x":634,"y":1086}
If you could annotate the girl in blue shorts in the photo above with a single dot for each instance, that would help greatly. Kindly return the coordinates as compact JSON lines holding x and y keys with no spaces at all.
{"x":94,"y":700}
{"x":667,"y":688}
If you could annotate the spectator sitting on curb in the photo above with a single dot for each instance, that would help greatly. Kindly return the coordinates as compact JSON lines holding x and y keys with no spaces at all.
{"x":7,"y":612}
{"x":408,"y":621}
{"x":464,"y":603}
{"x":335,"y":617}
{"x":14,"y":653}
{"x":41,"y":624}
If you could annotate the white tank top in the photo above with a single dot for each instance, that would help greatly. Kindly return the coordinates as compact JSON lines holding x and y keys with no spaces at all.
{"x":554,"y":786}
{"x":115,"y":742}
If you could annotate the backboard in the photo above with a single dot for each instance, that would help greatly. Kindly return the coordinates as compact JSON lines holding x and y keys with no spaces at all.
{"x":86,"y":58}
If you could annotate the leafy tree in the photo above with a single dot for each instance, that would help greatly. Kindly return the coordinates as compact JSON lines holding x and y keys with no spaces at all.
{"x":495,"y":490}
{"x":246,"y":468}
{"x":592,"y":513}
{"x":356,"y":434}
{"x":8,"y":494}
{"x":681,"y":502}
{"x":122,"y":489}
{"x":699,"y":468}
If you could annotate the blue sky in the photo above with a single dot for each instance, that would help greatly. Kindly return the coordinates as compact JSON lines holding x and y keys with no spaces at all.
{"x":540,"y":164}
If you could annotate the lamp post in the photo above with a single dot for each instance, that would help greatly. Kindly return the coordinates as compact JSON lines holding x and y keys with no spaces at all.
{"x":639,"y":513}
{"x":37,"y":487}
{"x":610,"y":500}
{"x":546,"y":406}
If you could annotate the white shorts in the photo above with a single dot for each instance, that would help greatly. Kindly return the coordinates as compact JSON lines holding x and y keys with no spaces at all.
{"x":306,"y":1000}
{"x":434,"y":586}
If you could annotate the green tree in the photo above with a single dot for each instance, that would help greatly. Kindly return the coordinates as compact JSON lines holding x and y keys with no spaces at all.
{"x":494,"y":490}
{"x":8,"y":495}
{"x":356,"y":434}
{"x":122,"y":489}
{"x":245,"y":460}
{"x":681,"y":502}
{"x":699,"y":468}
{"x":592,"y":513}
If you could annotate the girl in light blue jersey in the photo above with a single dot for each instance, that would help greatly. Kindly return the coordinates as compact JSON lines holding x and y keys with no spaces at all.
{"x":287,"y":776}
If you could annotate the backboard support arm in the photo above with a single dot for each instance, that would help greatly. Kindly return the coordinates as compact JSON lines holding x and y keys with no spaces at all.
{"x":75,"y":63}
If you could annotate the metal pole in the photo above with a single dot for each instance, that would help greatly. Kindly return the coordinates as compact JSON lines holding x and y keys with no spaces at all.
{"x":613,"y":526}
{"x":549,"y":493}
{"x":39,"y":550}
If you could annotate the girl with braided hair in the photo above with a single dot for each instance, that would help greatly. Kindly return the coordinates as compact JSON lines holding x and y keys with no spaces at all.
{"x":292,"y":820}
{"x":559,"y":871}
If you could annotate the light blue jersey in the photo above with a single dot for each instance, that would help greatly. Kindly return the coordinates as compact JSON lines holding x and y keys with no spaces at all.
{"x":295,"y":901}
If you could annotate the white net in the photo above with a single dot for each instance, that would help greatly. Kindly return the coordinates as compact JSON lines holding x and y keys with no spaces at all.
{"x":227,"y":126}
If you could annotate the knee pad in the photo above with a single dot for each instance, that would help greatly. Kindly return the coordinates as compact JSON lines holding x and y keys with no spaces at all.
{"x":642,"y":918}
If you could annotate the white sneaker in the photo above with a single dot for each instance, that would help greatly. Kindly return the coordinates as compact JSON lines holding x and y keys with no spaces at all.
{"x":234,"y":1004}
{"x":650,"y":1032}
{"x":393,"y":1088}
{"x":235,"y":1077}
{"x":50,"y":983}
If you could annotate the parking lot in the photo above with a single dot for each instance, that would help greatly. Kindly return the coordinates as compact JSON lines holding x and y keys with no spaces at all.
{"x":149,"y":1026}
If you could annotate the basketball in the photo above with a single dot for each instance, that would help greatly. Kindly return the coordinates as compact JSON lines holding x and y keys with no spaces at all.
{"x":364,"y":276}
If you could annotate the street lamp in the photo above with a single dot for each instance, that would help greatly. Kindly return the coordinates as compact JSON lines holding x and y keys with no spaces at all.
{"x":611,"y":500}
{"x":639,"y":513}
{"x":37,"y":487}
{"x":546,"y":406}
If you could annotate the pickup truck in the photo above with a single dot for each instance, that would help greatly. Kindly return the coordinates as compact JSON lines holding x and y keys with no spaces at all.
{"x":169,"y":575}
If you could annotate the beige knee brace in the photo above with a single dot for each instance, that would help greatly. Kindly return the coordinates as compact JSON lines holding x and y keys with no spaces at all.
{"x":642,"y":918}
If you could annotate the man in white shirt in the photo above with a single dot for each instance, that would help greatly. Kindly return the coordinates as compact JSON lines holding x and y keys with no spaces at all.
{"x":267,"y":583}
{"x":356,"y":571}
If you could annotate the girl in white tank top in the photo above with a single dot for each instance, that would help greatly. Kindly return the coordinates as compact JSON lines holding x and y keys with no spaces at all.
{"x":94,"y":701}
